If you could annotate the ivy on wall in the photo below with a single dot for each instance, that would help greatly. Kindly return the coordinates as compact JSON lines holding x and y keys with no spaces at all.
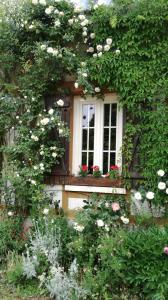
{"x":122,"y":47}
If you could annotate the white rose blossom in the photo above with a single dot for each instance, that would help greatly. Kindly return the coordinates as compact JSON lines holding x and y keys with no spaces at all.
{"x":10,"y":213}
{"x":99,"y":48}
{"x":35,"y":2}
{"x":117,"y":51}
{"x":161,"y":173}
{"x":45,"y":121}
{"x":42,"y":2}
{"x":124,"y":220}
{"x":33,"y":182}
{"x":167,"y":191}
{"x":84,"y":74}
{"x":97,"y":89}
{"x":109,"y":41}
{"x":81,"y":17}
{"x":54,"y":154}
{"x":100,"y":223}
{"x":138,"y":196}
{"x":57,"y":23}
{"x":35,"y":138}
{"x":61,"y":13}
{"x":90,"y":50}
{"x":51,"y":111}
{"x":84,"y":23}
{"x":95,"y":55}
{"x":70,"y":21}
{"x":150,"y":195}
{"x":106,"y":48}
{"x":76,"y":85}
{"x":49,"y":10}
{"x":92,"y":35}
{"x":99,"y":54}
{"x":43,"y":47}
{"x":60,"y":102}
{"x":50,"y":50}
{"x":45,"y":211}
{"x":84,"y":33}
{"x":60,"y":131}
{"x":161,"y":185}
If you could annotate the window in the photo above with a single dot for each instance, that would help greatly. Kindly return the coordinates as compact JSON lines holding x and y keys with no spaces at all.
{"x":97,"y":137}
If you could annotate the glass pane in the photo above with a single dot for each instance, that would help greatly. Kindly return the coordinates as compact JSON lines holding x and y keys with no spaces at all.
{"x":106,"y":139}
{"x":85,"y":116}
{"x":114,"y":114}
{"x":84,"y":158}
{"x":112,"y":159}
{"x":84,"y":139}
{"x":106,"y":114}
{"x":91,"y":139}
{"x":91,"y":115}
{"x":105,"y":162}
{"x":90,"y":162}
{"x":113,"y":139}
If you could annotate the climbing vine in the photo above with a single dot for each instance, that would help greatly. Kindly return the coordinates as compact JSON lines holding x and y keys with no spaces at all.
{"x":122,"y":47}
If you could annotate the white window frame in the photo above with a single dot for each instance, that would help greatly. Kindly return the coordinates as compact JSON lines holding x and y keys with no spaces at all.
{"x":98,"y":136}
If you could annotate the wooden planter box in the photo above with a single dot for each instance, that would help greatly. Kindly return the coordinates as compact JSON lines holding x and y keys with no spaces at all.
{"x":92,"y":181}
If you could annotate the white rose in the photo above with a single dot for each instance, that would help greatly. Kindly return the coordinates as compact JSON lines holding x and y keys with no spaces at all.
{"x":70,"y":21}
{"x":97,"y":89}
{"x":124,"y":220}
{"x":52,"y":118}
{"x":100,"y":223}
{"x":35,"y":138}
{"x":109,"y":41}
{"x":50,"y":50}
{"x":41,"y":165}
{"x":81,"y":17}
{"x":138,"y":196}
{"x":90,"y":50}
{"x":60,"y":102}
{"x":31,"y":26}
{"x":35,"y":167}
{"x":161,"y":173}
{"x":45,"y":121}
{"x":60,"y":131}
{"x":57,"y":23}
{"x":117,"y":51}
{"x":61,"y":13}
{"x":99,"y":54}
{"x":84,"y":74}
{"x":10,"y":213}
{"x":45,"y":211}
{"x":84,"y":33}
{"x":83,"y":64}
{"x":79,"y":228}
{"x":99,"y":48}
{"x":106,"y":47}
{"x":92,"y":35}
{"x":150,"y":195}
{"x":43,"y":47}
{"x":76,"y":85}
{"x":41,"y":152}
{"x":167,"y":191}
{"x":33,"y":182}
{"x":95,"y":55}
{"x":51,"y":111}
{"x":95,"y":6}
{"x":55,"y":52}
{"x":84,"y":23}
{"x":43,"y":2}
{"x":49,"y":10}
{"x":107,"y":227}
{"x":35,"y":2}
{"x":56,"y":11}
{"x":54,"y":154}
{"x":161,"y":185}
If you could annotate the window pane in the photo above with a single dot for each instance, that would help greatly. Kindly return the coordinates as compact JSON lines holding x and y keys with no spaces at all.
{"x":113,"y":114}
{"x":91,"y":115}
{"x":106,"y":114}
{"x":112,"y":158}
{"x":84,"y":158}
{"x":85,"y":116}
{"x":106,"y":139}
{"x":90,"y":162}
{"x":105,"y":162}
{"x":84,"y":139}
{"x":113,"y":139}
{"x":91,"y":139}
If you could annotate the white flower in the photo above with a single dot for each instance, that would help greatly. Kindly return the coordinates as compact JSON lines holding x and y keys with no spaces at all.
{"x":35,"y":2}
{"x":84,"y":33}
{"x":55,"y":52}
{"x":83,"y":64}
{"x":99,"y":54}
{"x":84,"y":23}
{"x":51,"y":111}
{"x":60,"y":131}
{"x":97,"y":89}
{"x":95,"y":6}
{"x":150,"y":195}
{"x":90,"y":50}
{"x":117,"y":51}
{"x":60,"y":102}
{"x":61,"y":13}
{"x":45,"y":211}
{"x":41,"y":152}
{"x":95,"y":54}
{"x":78,"y":227}
{"x":33,"y":182}
{"x":70,"y":21}
{"x":56,"y":11}
{"x":109,"y":41}
{"x":81,"y":17}
{"x":10,"y":213}
{"x":92,"y":35}
{"x":167,"y":191}
{"x":41,"y":165}
{"x":161,"y":173}
{"x":31,"y":26}
{"x":84,"y":74}
{"x":52,"y":118}
{"x":99,"y":48}
{"x":106,"y":204}
{"x":106,"y":47}
{"x":107,"y":227}
{"x":50,"y":50}
{"x":43,"y":47}
{"x":35,"y":167}
{"x":124,"y":220}
{"x":49,"y":10}
{"x":42,"y":2}
{"x":45,"y":121}
{"x":57,"y":23}
{"x":54,"y":154}
{"x":161,"y":185}
{"x":35,"y":138}
{"x":100,"y":223}
{"x":76,"y":85}
{"x":138,"y":196}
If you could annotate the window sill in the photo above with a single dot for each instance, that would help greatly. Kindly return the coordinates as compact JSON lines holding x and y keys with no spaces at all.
{"x":99,"y":182}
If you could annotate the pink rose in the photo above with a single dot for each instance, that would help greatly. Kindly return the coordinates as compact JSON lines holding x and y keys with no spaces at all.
{"x":115,"y":206}
{"x":165,"y":250}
